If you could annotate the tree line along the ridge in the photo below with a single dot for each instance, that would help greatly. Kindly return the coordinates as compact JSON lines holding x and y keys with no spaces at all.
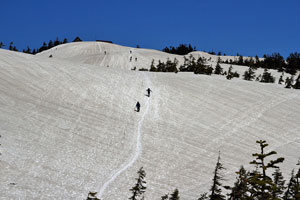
{"x":273,"y":61}
{"x":199,"y":66}
{"x":264,"y":182}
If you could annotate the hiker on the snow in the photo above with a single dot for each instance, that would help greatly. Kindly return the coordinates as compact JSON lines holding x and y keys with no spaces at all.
{"x":138,"y":105}
{"x":148,"y":91}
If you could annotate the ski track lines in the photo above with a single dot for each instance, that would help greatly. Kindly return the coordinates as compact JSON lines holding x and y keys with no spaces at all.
{"x":137,"y":151}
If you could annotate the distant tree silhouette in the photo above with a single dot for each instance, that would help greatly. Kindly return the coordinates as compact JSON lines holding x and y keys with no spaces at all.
{"x":182,"y":49}
{"x":249,"y":75}
{"x":77,"y":39}
{"x":293,"y":63}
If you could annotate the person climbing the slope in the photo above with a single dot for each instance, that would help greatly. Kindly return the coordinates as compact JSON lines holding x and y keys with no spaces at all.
{"x":148,"y":91}
{"x":138,"y":106}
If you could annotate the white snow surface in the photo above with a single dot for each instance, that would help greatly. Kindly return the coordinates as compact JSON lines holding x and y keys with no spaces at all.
{"x":68,"y":124}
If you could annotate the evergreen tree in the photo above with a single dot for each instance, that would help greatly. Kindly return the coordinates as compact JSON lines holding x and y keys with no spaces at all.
{"x":267,"y":77}
{"x":11,"y":46}
{"x":172,"y":66}
{"x":295,"y":186}
{"x":249,"y":75}
{"x":174,"y":195}
{"x":261,"y":184}
{"x":288,"y":82}
{"x":152,"y":67}
{"x":278,"y":187}
{"x":77,"y":39}
{"x":297,"y":83}
{"x":56,"y":42}
{"x":218,"y":69}
{"x":293,"y":63}
{"x":43,"y":48}
{"x":1,"y":45}
{"x":161,"y":67}
{"x":139,"y":188}
{"x":229,"y":73}
{"x":216,"y":191}
{"x":50,"y":44}
{"x":240,"y":189}
{"x":65,"y":41}
{"x":240,"y":60}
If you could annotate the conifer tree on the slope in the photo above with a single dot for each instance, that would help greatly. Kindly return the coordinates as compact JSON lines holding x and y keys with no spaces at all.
{"x":229,"y":73}
{"x":288,"y":82}
{"x":267,"y":77}
{"x":218,"y":69}
{"x":297,"y":83}
{"x":249,"y":75}
{"x":152,"y":67}
{"x":293,"y":188}
{"x":1,"y":45}
{"x":261,"y":185}
{"x":287,"y":194}
{"x":240,"y":189}
{"x":216,"y":191}
{"x":140,"y":187}
{"x":293,"y":191}
{"x":278,"y":187}
{"x":174,"y":195}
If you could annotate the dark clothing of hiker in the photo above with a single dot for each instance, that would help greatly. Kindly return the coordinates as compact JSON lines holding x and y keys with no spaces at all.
{"x":138,"y":105}
{"x":148,"y":91}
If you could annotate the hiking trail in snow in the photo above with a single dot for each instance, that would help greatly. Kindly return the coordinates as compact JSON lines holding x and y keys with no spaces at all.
{"x":138,"y":148}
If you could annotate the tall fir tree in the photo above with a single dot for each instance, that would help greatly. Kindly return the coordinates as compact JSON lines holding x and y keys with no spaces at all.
{"x":278,"y":186}
{"x":139,"y":188}
{"x":240,"y":189}
{"x":216,"y":191}
{"x":261,"y":183}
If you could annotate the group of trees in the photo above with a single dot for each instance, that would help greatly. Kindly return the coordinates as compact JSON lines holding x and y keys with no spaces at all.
{"x":265,"y":182}
{"x":169,"y":66}
{"x":273,"y":61}
{"x":182,"y":49}
{"x":199,"y":66}
{"x":45,"y":46}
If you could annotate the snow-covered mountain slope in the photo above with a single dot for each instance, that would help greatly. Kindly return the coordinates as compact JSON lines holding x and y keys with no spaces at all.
{"x":112,"y":55}
{"x":68,"y":124}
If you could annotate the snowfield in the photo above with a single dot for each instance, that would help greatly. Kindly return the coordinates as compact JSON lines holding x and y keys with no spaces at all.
{"x":68,"y":124}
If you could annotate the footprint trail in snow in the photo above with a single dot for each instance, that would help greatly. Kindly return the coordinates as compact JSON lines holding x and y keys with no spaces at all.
{"x":138,"y":147}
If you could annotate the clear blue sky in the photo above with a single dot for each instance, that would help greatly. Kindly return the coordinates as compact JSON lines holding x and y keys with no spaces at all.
{"x":249,"y":27}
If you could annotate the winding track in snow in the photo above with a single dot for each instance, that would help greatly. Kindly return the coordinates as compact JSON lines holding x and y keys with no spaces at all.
{"x":138,"y":147}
